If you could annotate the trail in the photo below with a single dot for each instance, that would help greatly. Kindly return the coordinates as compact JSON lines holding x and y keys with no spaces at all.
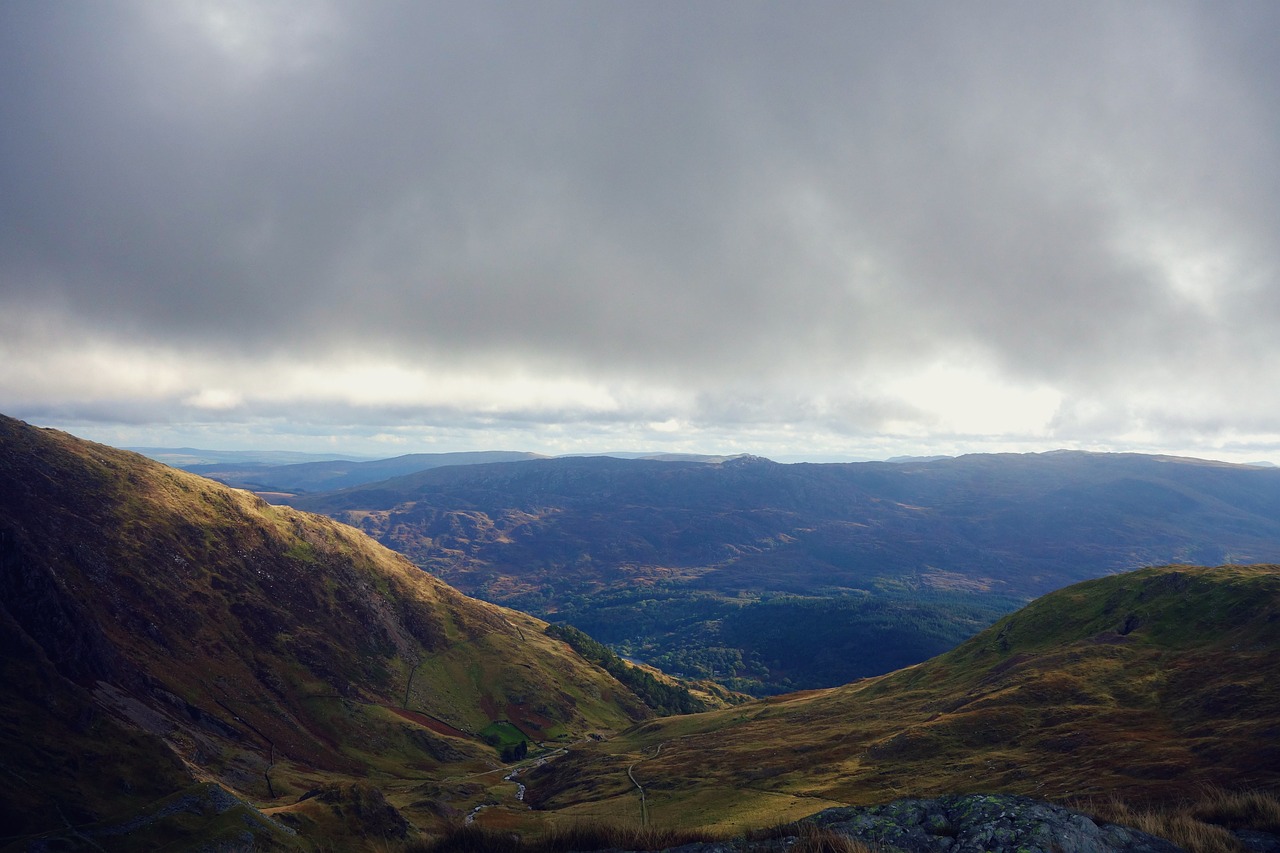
{"x":644,"y":806}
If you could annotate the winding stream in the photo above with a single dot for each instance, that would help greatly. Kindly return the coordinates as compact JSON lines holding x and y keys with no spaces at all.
{"x":510,"y":777}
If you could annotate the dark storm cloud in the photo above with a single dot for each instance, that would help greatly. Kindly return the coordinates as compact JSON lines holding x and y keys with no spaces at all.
{"x":727,"y":197}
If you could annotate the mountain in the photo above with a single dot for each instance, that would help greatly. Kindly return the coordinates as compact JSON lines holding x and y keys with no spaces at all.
{"x":1148,"y":685}
{"x":187,"y":457}
{"x":332,"y":474}
{"x":774,"y":577}
{"x":276,"y":472}
{"x":181,"y":660}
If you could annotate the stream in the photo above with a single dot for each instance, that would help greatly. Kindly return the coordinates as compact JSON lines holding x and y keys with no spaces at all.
{"x":510,"y":777}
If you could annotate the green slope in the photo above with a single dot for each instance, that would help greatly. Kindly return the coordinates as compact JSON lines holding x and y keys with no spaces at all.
{"x":1147,"y":684}
{"x":159,"y":629}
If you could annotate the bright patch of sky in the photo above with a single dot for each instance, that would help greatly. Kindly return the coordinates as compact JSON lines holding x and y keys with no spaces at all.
{"x":802,"y":230}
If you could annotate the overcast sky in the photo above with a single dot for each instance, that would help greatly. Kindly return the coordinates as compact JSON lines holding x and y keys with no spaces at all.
{"x":836,"y":229}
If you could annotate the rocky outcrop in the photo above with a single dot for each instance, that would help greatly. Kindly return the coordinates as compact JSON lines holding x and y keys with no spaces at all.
{"x":979,"y":823}
{"x":42,"y":609}
{"x":225,"y":824}
{"x":974,"y":823}
{"x":362,"y":809}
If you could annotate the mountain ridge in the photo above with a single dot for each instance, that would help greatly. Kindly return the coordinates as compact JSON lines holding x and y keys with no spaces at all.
{"x":327,"y":475}
{"x":161,"y":630}
{"x":184,"y":660}
{"x":732,"y":553}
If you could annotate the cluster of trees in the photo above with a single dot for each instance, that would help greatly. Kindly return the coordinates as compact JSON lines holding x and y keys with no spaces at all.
{"x":662,"y":697}
{"x":515,"y":752}
{"x":777,"y":642}
{"x":818,"y":642}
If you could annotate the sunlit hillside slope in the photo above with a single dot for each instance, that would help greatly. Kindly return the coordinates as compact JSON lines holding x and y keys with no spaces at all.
{"x":160,"y":630}
{"x":1147,"y":685}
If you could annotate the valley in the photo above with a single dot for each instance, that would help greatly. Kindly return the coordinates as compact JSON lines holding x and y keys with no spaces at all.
{"x":187,"y":666}
{"x":1145,"y":685}
{"x":771,"y":578}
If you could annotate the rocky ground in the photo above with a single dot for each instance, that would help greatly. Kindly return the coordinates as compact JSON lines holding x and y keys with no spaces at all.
{"x":979,"y":823}
{"x":974,"y":823}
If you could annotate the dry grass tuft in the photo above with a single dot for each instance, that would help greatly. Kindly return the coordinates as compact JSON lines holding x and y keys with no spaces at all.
{"x":475,"y":839}
{"x":1202,"y":825}
{"x":1257,"y":810}
{"x":813,"y":839}
{"x":585,"y":837}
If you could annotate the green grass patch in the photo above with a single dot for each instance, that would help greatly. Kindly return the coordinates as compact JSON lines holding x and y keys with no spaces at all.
{"x":502,"y":734}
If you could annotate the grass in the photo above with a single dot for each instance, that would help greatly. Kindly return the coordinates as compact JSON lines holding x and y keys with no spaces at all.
{"x":1056,"y":702}
{"x":812,"y":839}
{"x":591,"y":837}
{"x":584,"y":837}
{"x":1146,"y":685}
{"x":1257,"y":810}
{"x":502,"y":734}
{"x":263,"y":646}
{"x":1202,"y":824}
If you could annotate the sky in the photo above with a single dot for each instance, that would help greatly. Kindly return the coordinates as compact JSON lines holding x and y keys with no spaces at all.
{"x":826,"y":230}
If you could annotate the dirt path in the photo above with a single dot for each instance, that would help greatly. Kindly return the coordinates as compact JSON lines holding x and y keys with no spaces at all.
{"x":644,"y":806}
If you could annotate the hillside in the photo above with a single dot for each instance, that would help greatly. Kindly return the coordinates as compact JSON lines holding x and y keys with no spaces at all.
{"x":1147,"y":685}
{"x":773,"y":577}
{"x":162,"y":632}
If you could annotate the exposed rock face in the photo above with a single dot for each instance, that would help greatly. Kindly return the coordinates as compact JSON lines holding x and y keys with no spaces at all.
{"x":363,"y":807}
{"x":1258,"y":842}
{"x":242,"y":826}
{"x":973,"y":823}
{"x":977,"y":823}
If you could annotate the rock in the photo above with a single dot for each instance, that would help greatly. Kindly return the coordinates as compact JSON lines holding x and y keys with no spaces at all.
{"x":1258,"y":842}
{"x":979,"y":823}
{"x":973,"y":823}
{"x":363,"y":809}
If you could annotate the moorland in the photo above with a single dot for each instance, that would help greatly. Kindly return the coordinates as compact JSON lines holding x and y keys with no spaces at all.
{"x":771,"y":578}
{"x":187,"y":666}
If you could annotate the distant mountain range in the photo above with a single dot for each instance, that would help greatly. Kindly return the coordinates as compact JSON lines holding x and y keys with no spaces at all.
{"x":774,"y":577}
{"x":333,"y":474}
{"x":272,"y":472}
{"x":184,"y":666}
{"x":186,"y":457}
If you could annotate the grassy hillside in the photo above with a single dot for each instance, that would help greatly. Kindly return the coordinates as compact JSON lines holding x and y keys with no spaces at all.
{"x":160,"y":630}
{"x":1147,"y":685}
{"x":704,"y":569}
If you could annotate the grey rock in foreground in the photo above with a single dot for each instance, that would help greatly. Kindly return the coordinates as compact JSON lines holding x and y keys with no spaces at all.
{"x":1258,"y":842}
{"x":977,"y":823}
{"x":973,"y":823}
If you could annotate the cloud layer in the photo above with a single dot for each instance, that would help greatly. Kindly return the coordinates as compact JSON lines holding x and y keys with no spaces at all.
{"x":844,"y":227}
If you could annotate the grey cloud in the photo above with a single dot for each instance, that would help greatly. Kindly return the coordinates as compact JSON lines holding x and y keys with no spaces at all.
{"x":722,"y":195}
